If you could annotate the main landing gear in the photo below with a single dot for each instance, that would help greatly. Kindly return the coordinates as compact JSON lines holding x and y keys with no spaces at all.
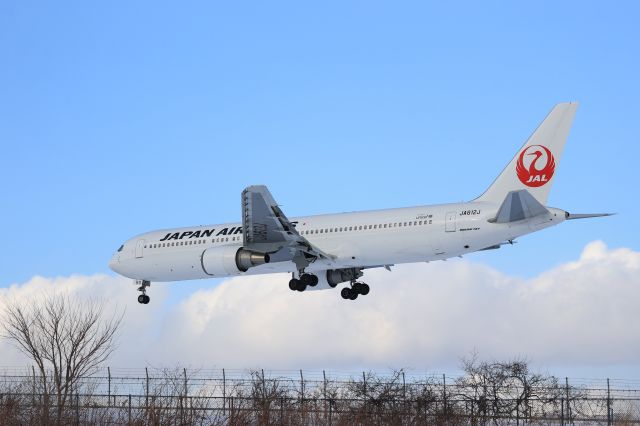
{"x":143,"y":298}
{"x":351,"y":293}
{"x":306,"y":280}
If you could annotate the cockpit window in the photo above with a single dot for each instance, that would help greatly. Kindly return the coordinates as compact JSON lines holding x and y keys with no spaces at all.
{"x":121,"y":247}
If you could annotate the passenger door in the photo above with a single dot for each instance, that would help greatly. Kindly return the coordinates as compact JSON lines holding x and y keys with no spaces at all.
{"x":139,"y":249}
{"x":450,"y":222}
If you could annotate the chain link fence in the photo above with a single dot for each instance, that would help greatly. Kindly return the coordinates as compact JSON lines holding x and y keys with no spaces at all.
{"x":239,"y":397}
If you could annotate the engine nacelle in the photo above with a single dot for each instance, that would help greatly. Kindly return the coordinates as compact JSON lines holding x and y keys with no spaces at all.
{"x":337,"y":276}
{"x":226,"y":260}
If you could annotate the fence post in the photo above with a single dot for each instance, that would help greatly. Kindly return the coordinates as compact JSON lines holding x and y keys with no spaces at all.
{"x":609,"y":409}
{"x":404,"y":387}
{"x":224,"y":393}
{"x":184,"y":370}
{"x":364,"y":384}
{"x":404,"y":398}
{"x":281,"y":411}
{"x":109,"y":386}
{"x":129,"y":408}
{"x":33,"y":371}
{"x":324,"y":391}
{"x":561,"y":411}
{"x":181,"y":405}
{"x":146,"y":394}
{"x":444,"y":394}
{"x":566,"y":387}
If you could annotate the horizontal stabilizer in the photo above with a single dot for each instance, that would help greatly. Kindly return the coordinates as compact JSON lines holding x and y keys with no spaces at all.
{"x":519,"y":205}
{"x":571,"y":216}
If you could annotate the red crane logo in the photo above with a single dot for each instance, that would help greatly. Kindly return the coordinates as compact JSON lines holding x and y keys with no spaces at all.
{"x":534,"y":172}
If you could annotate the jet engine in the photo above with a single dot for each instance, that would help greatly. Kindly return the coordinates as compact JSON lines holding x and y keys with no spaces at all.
{"x":226,"y":260}
{"x":337,"y":276}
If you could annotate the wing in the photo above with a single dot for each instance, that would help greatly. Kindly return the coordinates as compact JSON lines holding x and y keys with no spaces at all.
{"x":267,"y":229}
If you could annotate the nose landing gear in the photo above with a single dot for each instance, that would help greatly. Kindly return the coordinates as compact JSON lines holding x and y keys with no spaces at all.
{"x":143,"y":298}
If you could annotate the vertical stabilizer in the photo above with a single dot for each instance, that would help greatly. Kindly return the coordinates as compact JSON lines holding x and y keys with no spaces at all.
{"x":534,"y":165}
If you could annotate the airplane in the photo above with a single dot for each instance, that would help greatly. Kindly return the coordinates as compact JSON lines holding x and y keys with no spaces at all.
{"x":323,"y":251}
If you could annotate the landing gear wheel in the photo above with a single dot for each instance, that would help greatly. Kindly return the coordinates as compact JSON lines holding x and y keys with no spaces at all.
{"x":363,"y":289}
{"x":301,"y":286}
{"x":146,"y":299}
{"x":141,"y":298}
{"x":309,"y":280}
{"x":293,"y":284}
{"x":345,"y":293}
{"x":354,"y":295}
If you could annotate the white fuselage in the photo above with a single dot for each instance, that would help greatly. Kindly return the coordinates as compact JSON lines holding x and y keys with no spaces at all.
{"x":356,"y":240}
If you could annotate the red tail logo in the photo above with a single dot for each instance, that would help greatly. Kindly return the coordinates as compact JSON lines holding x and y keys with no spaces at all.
{"x":535,"y":165}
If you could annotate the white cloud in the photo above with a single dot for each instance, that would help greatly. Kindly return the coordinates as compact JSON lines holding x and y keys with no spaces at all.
{"x":119,"y":296}
{"x":420,"y":316}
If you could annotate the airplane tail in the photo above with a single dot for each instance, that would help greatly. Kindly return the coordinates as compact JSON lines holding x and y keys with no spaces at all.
{"x":534,"y":165}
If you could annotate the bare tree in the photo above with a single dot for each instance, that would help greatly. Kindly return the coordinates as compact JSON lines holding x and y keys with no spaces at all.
{"x":507,"y":389}
{"x":66,"y":338}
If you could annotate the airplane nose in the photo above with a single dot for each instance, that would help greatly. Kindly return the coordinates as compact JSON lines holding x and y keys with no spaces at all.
{"x":114,"y":264}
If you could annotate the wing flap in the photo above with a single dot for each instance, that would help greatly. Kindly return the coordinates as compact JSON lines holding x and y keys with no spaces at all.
{"x":267,"y":228}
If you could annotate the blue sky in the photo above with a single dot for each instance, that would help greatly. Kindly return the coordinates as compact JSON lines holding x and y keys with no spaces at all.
{"x":118,"y":118}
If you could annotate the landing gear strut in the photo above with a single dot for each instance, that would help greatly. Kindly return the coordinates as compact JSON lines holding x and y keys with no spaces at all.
{"x":351,"y":293}
{"x":143,"y":298}
{"x":305,"y":280}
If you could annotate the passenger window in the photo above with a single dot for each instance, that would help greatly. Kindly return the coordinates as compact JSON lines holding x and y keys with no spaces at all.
{"x":420,"y":223}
